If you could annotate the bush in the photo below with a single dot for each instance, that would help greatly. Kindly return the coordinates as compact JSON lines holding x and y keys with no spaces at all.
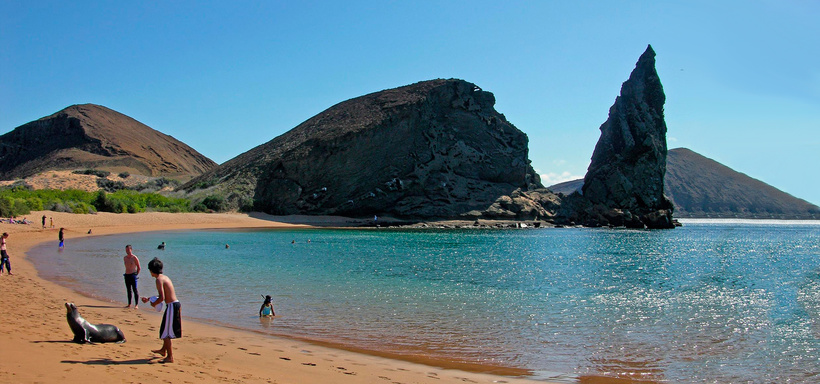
{"x":10,"y":207}
{"x":95,"y":172}
{"x":35,"y":203}
{"x":157,"y":184}
{"x":214,"y":203}
{"x":124,"y":175}
{"x":110,"y":185}
{"x":20,"y":207}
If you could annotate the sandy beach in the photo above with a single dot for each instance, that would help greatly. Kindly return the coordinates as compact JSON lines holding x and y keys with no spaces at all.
{"x":37,"y":346}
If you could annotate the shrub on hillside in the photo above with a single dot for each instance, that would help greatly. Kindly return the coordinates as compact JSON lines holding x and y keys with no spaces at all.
{"x":214,"y":203}
{"x":156,"y":184}
{"x":110,"y":185}
{"x":95,"y":172}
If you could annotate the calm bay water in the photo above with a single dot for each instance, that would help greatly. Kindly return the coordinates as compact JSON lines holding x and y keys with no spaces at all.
{"x":711,"y":302}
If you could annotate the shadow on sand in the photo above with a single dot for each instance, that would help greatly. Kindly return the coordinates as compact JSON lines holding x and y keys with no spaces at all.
{"x":112,"y":362}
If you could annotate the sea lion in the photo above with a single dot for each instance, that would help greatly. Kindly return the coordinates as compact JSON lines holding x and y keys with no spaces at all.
{"x":85,"y":332}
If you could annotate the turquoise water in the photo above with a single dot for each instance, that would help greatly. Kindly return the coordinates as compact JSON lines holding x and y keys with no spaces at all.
{"x":711,"y":302}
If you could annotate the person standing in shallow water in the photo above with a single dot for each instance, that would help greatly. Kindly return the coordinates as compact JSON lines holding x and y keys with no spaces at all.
{"x":61,"y":236}
{"x":171,"y":326}
{"x":132,"y":271}
{"x":4,"y":256}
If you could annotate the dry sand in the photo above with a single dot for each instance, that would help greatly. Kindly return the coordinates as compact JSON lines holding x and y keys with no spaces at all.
{"x":36,"y":347}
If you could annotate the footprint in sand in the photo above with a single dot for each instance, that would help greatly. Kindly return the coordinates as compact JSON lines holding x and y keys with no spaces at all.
{"x":285,"y":358}
{"x":310,"y":364}
{"x":345,"y":369}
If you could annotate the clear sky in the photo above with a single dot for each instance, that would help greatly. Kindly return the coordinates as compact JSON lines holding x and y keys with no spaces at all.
{"x":742,"y":78}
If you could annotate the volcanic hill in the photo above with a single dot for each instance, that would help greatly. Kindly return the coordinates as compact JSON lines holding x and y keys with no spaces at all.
{"x":702,"y":187}
{"x":92,"y":136}
{"x":434,"y":149}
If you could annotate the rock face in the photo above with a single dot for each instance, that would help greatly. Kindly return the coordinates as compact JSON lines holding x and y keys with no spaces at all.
{"x":93,"y":136}
{"x":624,"y":182}
{"x":434,"y":149}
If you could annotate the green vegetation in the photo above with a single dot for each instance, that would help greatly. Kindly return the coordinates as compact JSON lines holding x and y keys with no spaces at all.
{"x":18,"y":201}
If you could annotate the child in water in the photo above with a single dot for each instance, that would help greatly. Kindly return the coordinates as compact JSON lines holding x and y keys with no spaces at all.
{"x":267,"y":308}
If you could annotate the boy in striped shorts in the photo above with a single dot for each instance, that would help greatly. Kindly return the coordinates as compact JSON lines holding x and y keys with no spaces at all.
{"x":171,"y":327}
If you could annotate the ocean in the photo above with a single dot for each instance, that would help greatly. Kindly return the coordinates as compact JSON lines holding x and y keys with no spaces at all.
{"x":711,"y":302}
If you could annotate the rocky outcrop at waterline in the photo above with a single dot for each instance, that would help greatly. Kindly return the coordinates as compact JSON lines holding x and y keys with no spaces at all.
{"x":624,"y":184}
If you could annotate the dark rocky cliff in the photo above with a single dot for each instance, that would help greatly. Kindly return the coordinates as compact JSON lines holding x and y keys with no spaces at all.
{"x":434,"y":149}
{"x":93,"y":136}
{"x":624,"y":182}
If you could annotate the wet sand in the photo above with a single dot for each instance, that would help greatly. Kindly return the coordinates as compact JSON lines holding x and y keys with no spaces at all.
{"x":36,"y":339}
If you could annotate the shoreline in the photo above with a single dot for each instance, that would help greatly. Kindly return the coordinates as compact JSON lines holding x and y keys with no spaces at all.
{"x":38,"y":347}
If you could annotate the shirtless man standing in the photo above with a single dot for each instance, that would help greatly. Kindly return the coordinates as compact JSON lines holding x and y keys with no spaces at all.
{"x":171,"y":326}
{"x":132,"y":271}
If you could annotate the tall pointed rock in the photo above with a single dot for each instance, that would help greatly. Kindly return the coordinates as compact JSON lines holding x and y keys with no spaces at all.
{"x":625,"y":178}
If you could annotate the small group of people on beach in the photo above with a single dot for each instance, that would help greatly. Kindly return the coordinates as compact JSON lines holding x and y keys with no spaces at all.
{"x":171,"y":326}
{"x":51,"y":222}
{"x":14,"y":220}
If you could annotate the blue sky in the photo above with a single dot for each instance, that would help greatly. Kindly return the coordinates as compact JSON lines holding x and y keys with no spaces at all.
{"x":741,"y":77}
